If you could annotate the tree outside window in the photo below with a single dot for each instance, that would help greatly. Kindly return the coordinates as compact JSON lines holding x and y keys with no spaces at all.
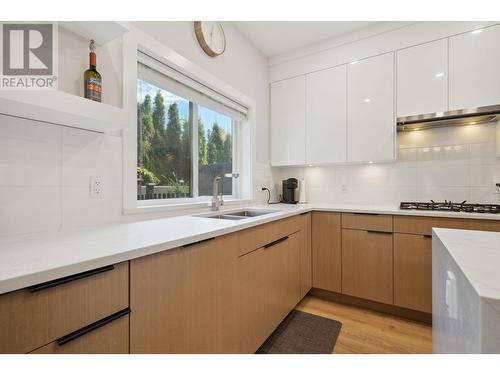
{"x":165,"y":125}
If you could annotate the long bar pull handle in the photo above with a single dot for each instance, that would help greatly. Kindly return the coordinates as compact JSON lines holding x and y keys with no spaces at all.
{"x":91,"y":327}
{"x":67,"y":279}
{"x":378,"y":232}
{"x":276,"y":242}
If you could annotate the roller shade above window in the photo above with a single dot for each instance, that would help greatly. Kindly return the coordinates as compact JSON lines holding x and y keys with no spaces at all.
{"x":164,"y":76}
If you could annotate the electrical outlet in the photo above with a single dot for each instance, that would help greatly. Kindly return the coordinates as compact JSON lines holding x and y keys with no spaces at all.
{"x":496,"y":187}
{"x":344,"y":188}
{"x":96,"y":187}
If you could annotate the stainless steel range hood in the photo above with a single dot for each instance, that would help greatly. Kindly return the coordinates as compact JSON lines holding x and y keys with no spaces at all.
{"x":472,"y":116}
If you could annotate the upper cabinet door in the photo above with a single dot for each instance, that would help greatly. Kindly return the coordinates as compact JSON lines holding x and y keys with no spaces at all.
{"x":288,"y":122}
{"x":370,"y":109}
{"x":422,"y":79}
{"x":474,"y":69}
{"x":326,"y":98}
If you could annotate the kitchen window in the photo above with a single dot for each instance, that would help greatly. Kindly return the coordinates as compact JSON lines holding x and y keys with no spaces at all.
{"x":187,"y":134}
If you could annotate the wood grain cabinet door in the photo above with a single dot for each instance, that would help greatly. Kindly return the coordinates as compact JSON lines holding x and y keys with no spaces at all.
{"x":305,"y":254}
{"x":159,"y":299}
{"x":413,"y":271}
{"x":326,"y":251}
{"x":278,"y":264}
{"x":254,"y":288}
{"x":185,"y":300}
{"x":367,"y":261}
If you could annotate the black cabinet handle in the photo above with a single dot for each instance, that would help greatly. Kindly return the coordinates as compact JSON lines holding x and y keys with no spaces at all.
{"x":198,"y":242}
{"x":365,"y":213}
{"x":275,"y":242}
{"x":427,"y":235}
{"x":378,"y":232}
{"x":91,"y":327}
{"x":67,"y":279}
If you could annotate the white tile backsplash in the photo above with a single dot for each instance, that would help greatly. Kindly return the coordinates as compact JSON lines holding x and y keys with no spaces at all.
{"x":45,"y":176}
{"x":45,"y":171}
{"x":454,"y":163}
{"x":86,"y":154}
{"x":26,"y":209}
{"x":30,"y":153}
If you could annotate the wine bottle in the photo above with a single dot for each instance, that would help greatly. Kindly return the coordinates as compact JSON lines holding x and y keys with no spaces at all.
{"x":91,"y":77}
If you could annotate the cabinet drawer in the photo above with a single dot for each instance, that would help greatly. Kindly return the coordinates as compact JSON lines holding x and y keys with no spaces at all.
{"x":109,"y":338}
{"x":382,"y":223}
{"x":256,"y":237}
{"x":423,"y":225}
{"x":33,"y":317}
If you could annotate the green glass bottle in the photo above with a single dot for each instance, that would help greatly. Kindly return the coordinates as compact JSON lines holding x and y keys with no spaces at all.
{"x":91,"y":78}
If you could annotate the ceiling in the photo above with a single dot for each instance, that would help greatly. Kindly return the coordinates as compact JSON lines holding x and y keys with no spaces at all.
{"x":275,"y":38}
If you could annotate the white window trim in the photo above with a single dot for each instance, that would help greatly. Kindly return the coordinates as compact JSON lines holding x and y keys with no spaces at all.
{"x":138,"y":40}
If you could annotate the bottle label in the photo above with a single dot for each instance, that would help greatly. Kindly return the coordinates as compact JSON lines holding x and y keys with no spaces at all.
{"x":93,"y":89}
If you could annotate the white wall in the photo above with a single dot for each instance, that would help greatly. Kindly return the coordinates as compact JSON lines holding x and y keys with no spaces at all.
{"x":45,"y":169}
{"x":457,"y":163}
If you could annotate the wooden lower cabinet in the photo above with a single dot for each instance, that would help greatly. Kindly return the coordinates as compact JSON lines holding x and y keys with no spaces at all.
{"x":270,"y":289}
{"x":326,"y":251}
{"x":112,"y":338}
{"x":36,"y":316}
{"x":305,"y":254}
{"x":413,"y":271}
{"x":182,"y":300}
{"x":367,"y":261}
{"x":254,"y":290}
{"x":284,"y":278}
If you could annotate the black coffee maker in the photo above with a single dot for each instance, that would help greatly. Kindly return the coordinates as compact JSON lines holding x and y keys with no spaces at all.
{"x":290,"y":190}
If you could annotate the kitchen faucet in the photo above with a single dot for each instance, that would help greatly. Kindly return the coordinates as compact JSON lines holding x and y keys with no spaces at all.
{"x":216,"y":195}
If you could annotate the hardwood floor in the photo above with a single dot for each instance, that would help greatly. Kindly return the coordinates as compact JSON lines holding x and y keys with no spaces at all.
{"x":369,"y":332}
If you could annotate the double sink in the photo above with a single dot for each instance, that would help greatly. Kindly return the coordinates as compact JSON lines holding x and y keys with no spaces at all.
{"x":241,"y":215}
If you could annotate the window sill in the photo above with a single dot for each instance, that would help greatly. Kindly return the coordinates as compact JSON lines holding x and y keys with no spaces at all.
{"x":179,"y":207}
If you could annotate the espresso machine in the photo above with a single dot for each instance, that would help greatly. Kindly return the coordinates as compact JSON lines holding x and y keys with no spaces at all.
{"x":290,"y":191}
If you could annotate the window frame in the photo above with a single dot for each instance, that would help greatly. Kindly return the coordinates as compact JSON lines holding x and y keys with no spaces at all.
{"x":194,"y":157}
{"x":243,"y":135}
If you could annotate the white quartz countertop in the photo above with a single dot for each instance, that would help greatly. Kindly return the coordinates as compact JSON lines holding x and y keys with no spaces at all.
{"x":27,"y":260}
{"x":477,"y":254}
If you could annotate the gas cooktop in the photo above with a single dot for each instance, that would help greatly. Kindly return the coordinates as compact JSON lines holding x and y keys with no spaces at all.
{"x":451,"y":206}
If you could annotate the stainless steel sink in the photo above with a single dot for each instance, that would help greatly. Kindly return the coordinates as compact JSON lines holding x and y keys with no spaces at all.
{"x":252,"y":213}
{"x":225,"y":217}
{"x":240,"y":215}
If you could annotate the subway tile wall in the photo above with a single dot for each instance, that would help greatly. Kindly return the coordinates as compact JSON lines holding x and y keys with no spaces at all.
{"x":455,"y":163}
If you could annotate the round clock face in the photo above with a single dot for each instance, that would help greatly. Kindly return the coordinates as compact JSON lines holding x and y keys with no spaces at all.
{"x":210,"y":35}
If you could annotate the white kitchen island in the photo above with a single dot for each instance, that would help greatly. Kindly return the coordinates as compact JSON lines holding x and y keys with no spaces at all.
{"x":465,"y":291}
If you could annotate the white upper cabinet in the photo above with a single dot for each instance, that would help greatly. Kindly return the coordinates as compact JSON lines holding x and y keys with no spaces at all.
{"x":326,"y":119}
{"x":474,"y":69}
{"x":370,"y":109}
{"x":422,"y":79}
{"x":288,"y":122}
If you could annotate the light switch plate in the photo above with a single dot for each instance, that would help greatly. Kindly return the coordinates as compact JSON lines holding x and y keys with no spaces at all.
{"x":96,"y":187}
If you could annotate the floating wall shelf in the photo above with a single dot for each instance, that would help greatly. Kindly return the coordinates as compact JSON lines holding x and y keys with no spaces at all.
{"x":61,"y":108}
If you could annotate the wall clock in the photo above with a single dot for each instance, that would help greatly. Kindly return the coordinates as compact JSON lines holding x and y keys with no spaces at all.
{"x":211,"y":37}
